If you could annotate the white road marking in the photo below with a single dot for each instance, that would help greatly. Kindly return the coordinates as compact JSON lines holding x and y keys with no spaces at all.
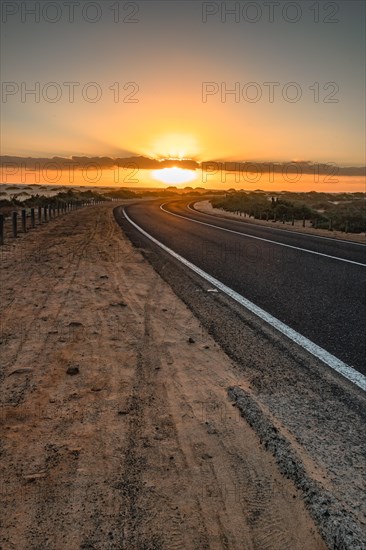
{"x":311,"y":235}
{"x":262,"y":238}
{"x":333,"y":362}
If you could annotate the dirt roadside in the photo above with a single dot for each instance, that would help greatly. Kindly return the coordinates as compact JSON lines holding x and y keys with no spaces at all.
{"x":138,"y":447}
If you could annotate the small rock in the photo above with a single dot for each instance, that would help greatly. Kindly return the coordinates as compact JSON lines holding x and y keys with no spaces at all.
{"x":72,"y":371}
{"x":75,"y":452}
{"x":103,"y":277}
{"x":73,"y":395}
{"x":33,"y":477}
{"x":123,"y":412}
{"x":206,"y":456}
{"x":210,"y":429}
{"x":22,"y":370}
{"x":75,"y":324}
{"x":190,"y":340}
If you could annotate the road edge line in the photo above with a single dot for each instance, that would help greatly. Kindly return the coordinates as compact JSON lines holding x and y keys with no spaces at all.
{"x":327,"y":358}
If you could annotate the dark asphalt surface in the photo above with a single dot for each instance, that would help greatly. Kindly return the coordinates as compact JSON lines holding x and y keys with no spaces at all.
{"x":322,"y":298}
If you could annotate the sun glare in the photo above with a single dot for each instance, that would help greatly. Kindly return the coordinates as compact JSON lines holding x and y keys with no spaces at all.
{"x":174,"y":175}
{"x":175,"y":146}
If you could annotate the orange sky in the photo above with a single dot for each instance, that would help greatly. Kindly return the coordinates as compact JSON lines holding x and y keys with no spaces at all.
{"x":148,"y":178}
{"x":172,"y":84}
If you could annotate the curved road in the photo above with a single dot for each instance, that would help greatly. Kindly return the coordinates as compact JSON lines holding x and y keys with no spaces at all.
{"x":315,"y":285}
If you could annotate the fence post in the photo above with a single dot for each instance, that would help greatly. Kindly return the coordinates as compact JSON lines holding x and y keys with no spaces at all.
{"x":1,"y":229}
{"x":45,"y":214}
{"x":15,"y":224}
{"x":33,"y":219}
{"x":39,"y":214}
{"x":24,"y":220}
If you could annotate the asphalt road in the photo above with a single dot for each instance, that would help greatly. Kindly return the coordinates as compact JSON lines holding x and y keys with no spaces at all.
{"x":314,"y":285}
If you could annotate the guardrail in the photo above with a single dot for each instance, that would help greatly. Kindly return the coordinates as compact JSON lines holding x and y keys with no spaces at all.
{"x":273,"y":217}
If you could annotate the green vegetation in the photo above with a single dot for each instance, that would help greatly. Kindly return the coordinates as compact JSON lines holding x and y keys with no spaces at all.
{"x":119,"y":194}
{"x":62,"y":198}
{"x":341,"y":211}
{"x":42,"y":200}
{"x":22,"y":198}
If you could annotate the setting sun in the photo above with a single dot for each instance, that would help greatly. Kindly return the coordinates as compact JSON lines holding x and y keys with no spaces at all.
{"x":174,"y":175}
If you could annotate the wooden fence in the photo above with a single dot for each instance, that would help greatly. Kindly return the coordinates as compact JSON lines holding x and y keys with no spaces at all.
{"x":25,"y":219}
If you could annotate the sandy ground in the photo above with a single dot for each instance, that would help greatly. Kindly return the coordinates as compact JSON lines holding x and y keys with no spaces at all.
{"x":116,"y":430}
{"x":207,"y":208}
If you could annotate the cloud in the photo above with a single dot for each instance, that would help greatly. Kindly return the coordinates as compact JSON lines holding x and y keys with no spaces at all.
{"x":141,"y":162}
